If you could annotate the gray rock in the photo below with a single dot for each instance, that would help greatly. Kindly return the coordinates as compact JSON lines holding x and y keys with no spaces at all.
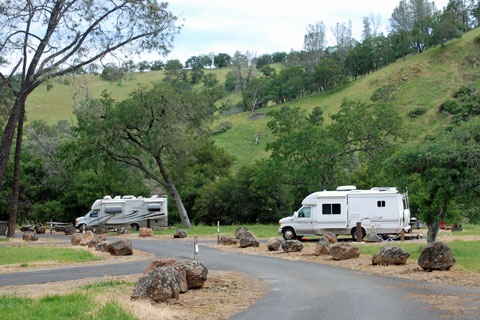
{"x":69,"y":230}
{"x":322,"y":247}
{"x":86,"y":238}
{"x":247,"y":239}
{"x":40,"y":229}
{"x":27,"y":228}
{"x":29,"y":236}
{"x":159,"y":285}
{"x":332,"y":238}
{"x":123,"y":230}
{"x":172,"y":263}
{"x":372,"y":237}
{"x":101,"y":230}
{"x":436,"y":256}
{"x":228,"y":240}
{"x":343,"y":251}
{"x":145,"y":232}
{"x":76,"y":238}
{"x":180,"y":233}
{"x":95,"y":241}
{"x":240,"y":230}
{"x":102,"y":246}
{"x":273,"y":244}
{"x":292,"y":246}
{"x":390,"y":255}
{"x":121,"y":247}
{"x":196,"y":273}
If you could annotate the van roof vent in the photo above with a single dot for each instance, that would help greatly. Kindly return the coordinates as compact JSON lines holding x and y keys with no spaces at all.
{"x":117,"y":197}
{"x":391,"y":189}
{"x":346,"y":188}
{"x":128,"y":197}
{"x":154,"y":196}
{"x":107,"y":198}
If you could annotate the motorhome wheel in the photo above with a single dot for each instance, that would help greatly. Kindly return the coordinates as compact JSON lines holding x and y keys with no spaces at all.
{"x":289,"y":234}
{"x":135,"y":226}
{"x":354,"y":233}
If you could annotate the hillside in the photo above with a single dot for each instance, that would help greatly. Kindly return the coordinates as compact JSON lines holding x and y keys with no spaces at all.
{"x":421,"y":81}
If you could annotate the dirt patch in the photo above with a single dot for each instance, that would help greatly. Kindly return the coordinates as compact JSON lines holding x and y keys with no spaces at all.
{"x":107,"y":259}
{"x":257,"y":115}
{"x":411,"y":270}
{"x":223,"y":295}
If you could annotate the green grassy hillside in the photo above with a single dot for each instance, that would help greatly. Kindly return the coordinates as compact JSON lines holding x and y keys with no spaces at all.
{"x":421,"y":81}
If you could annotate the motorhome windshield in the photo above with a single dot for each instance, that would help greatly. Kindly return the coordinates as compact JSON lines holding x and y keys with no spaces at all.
{"x":93,"y":214}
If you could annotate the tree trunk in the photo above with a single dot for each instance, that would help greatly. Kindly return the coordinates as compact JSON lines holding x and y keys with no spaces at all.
{"x":178,"y":202}
{"x":7,"y":136}
{"x":12,"y":220}
{"x":434,"y":227}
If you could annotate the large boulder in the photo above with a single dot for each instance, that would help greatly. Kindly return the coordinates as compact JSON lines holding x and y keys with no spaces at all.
{"x":247,"y":239}
{"x":69,"y":230}
{"x":27,"y":228}
{"x":436,"y":256}
{"x":240,"y":230}
{"x":172,"y":263}
{"x":322,"y":247}
{"x":145,"y":232}
{"x":292,"y":246}
{"x":76,"y":238}
{"x":390,"y":255}
{"x":101,"y":230}
{"x":95,"y":241}
{"x":121,"y":247}
{"x":343,"y":251}
{"x":273,"y":244}
{"x":29,"y":236}
{"x":159,"y":285}
{"x":332,"y":238}
{"x":86,"y":238}
{"x":40,"y":229}
{"x":102,"y":246}
{"x":228,"y":241}
{"x":372,"y":237}
{"x":196,"y":273}
{"x":180,"y":233}
{"x":123,"y":230}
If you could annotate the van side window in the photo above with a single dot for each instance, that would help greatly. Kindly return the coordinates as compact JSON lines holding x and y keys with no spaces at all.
{"x":305,"y":212}
{"x":381,"y":203}
{"x":331,"y":208}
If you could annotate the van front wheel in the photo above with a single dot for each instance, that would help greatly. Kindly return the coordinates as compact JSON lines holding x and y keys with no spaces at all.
{"x":289,"y":234}
{"x":135,"y":226}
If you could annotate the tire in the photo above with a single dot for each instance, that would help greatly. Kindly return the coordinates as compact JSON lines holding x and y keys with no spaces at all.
{"x":289,"y":234}
{"x":80,"y":227}
{"x":354,"y":233}
{"x":135,"y":226}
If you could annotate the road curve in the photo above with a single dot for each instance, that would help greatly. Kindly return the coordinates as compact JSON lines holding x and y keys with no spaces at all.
{"x":298,"y":290}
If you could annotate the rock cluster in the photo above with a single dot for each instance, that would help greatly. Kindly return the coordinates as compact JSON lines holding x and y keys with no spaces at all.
{"x":247,"y":239}
{"x":86,"y":238}
{"x":145,"y":232}
{"x":165,"y":279}
{"x":122,"y":247}
{"x":29,"y":236}
{"x":322,"y":247}
{"x":343,"y":251}
{"x":390,"y":255}
{"x":101,"y":230}
{"x":273,"y":244}
{"x":228,"y":241}
{"x":27,"y":228}
{"x":372,"y":237}
{"x":180,"y":233}
{"x":331,"y":237}
{"x":292,"y":246}
{"x":40,"y":229}
{"x":69,"y":230}
{"x":436,"y":256}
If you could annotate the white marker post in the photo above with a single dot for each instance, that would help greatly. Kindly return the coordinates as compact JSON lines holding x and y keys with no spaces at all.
{"x":218,"y":232}
{"x":195,"y":248}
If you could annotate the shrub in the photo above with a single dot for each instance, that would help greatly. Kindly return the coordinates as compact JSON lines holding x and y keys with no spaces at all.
{"x":222,"y":127}
{"x":417,"y":112}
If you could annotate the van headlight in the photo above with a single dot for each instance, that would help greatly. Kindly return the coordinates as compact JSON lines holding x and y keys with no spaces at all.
{"x":279,"y":224}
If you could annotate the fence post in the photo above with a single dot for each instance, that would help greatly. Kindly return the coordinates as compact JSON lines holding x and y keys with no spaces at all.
{"x":402,"y":236}
{"x":359,"y":232}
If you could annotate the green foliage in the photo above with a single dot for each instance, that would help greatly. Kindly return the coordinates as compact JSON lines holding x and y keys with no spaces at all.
{"x":210,"y":80}
{"x":33,"y":254}
{"x":416,"y":112}
{"x":384,"y":93}
{"x":466,"y":103}
{"x":222,"y":60}
{"x":222,"y":127}
{"x":230,"y":82}
{"x":112,"y":73}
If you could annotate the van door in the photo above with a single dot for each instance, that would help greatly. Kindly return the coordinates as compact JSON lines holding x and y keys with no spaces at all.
{"x":332,"y":214}
{"x":304,"y":221}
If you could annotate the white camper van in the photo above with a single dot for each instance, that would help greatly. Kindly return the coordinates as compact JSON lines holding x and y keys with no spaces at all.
{"x":126,"y":211}
{"x":383,"y":210}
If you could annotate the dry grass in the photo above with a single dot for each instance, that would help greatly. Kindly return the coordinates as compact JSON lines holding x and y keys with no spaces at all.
{"x":223,"y":295}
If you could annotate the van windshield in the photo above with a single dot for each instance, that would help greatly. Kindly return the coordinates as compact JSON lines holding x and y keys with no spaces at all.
{"x":93,"y":214}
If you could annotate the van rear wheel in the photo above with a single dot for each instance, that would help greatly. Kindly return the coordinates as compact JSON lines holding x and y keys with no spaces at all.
{"x":354,"y":233}
{"x":289,"y":234}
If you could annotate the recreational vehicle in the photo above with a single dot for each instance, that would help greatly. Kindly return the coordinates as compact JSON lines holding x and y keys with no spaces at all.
{"x":136,"y":212}
{"x":382,"y":210}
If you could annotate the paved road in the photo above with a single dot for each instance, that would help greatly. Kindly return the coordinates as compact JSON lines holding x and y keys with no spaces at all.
{"x":299,"y":290}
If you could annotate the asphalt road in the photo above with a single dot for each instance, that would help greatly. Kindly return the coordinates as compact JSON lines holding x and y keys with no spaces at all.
{"x":298,"y":290}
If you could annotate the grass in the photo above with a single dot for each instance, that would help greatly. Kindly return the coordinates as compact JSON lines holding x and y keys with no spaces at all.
{"x":4,"y":240}
{"x":104,"y":284}
{"x":468,"y":230}
{"x":466,"y":253}
{"x":24,"y":255}
{"x":259,"y":230}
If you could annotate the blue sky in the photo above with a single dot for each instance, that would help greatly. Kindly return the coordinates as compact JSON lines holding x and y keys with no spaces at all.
{"x":265,"y":26}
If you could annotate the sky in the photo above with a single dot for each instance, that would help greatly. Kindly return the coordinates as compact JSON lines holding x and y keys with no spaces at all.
{"x":265,"y":26}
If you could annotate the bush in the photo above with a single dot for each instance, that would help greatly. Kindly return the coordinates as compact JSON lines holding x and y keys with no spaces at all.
{"x":222,"y":127}
{"x":449,"y":106}
{"x":384,"y":93}
{"x":417,"y":112}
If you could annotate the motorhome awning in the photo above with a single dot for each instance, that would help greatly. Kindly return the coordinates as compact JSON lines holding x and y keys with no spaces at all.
{"x":113,"y":209}
{"x":154,"y":206}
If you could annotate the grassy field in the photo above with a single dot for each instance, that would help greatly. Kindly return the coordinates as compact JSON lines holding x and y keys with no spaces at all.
{"x":83,"y":304}
{"x":23,"y":255}
{"x":260,"y":230}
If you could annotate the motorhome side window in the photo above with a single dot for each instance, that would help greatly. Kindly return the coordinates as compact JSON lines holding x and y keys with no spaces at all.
{"x":331,"y":208}
{"x":381,"y":203}
{"x":304,"y":212}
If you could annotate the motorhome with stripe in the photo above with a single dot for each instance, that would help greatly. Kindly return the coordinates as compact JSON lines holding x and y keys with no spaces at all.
{"x":136,"y":212}
{"x":383,"y":210}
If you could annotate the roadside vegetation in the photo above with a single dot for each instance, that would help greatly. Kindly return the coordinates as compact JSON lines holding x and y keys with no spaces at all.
{"x":29,"y":254}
